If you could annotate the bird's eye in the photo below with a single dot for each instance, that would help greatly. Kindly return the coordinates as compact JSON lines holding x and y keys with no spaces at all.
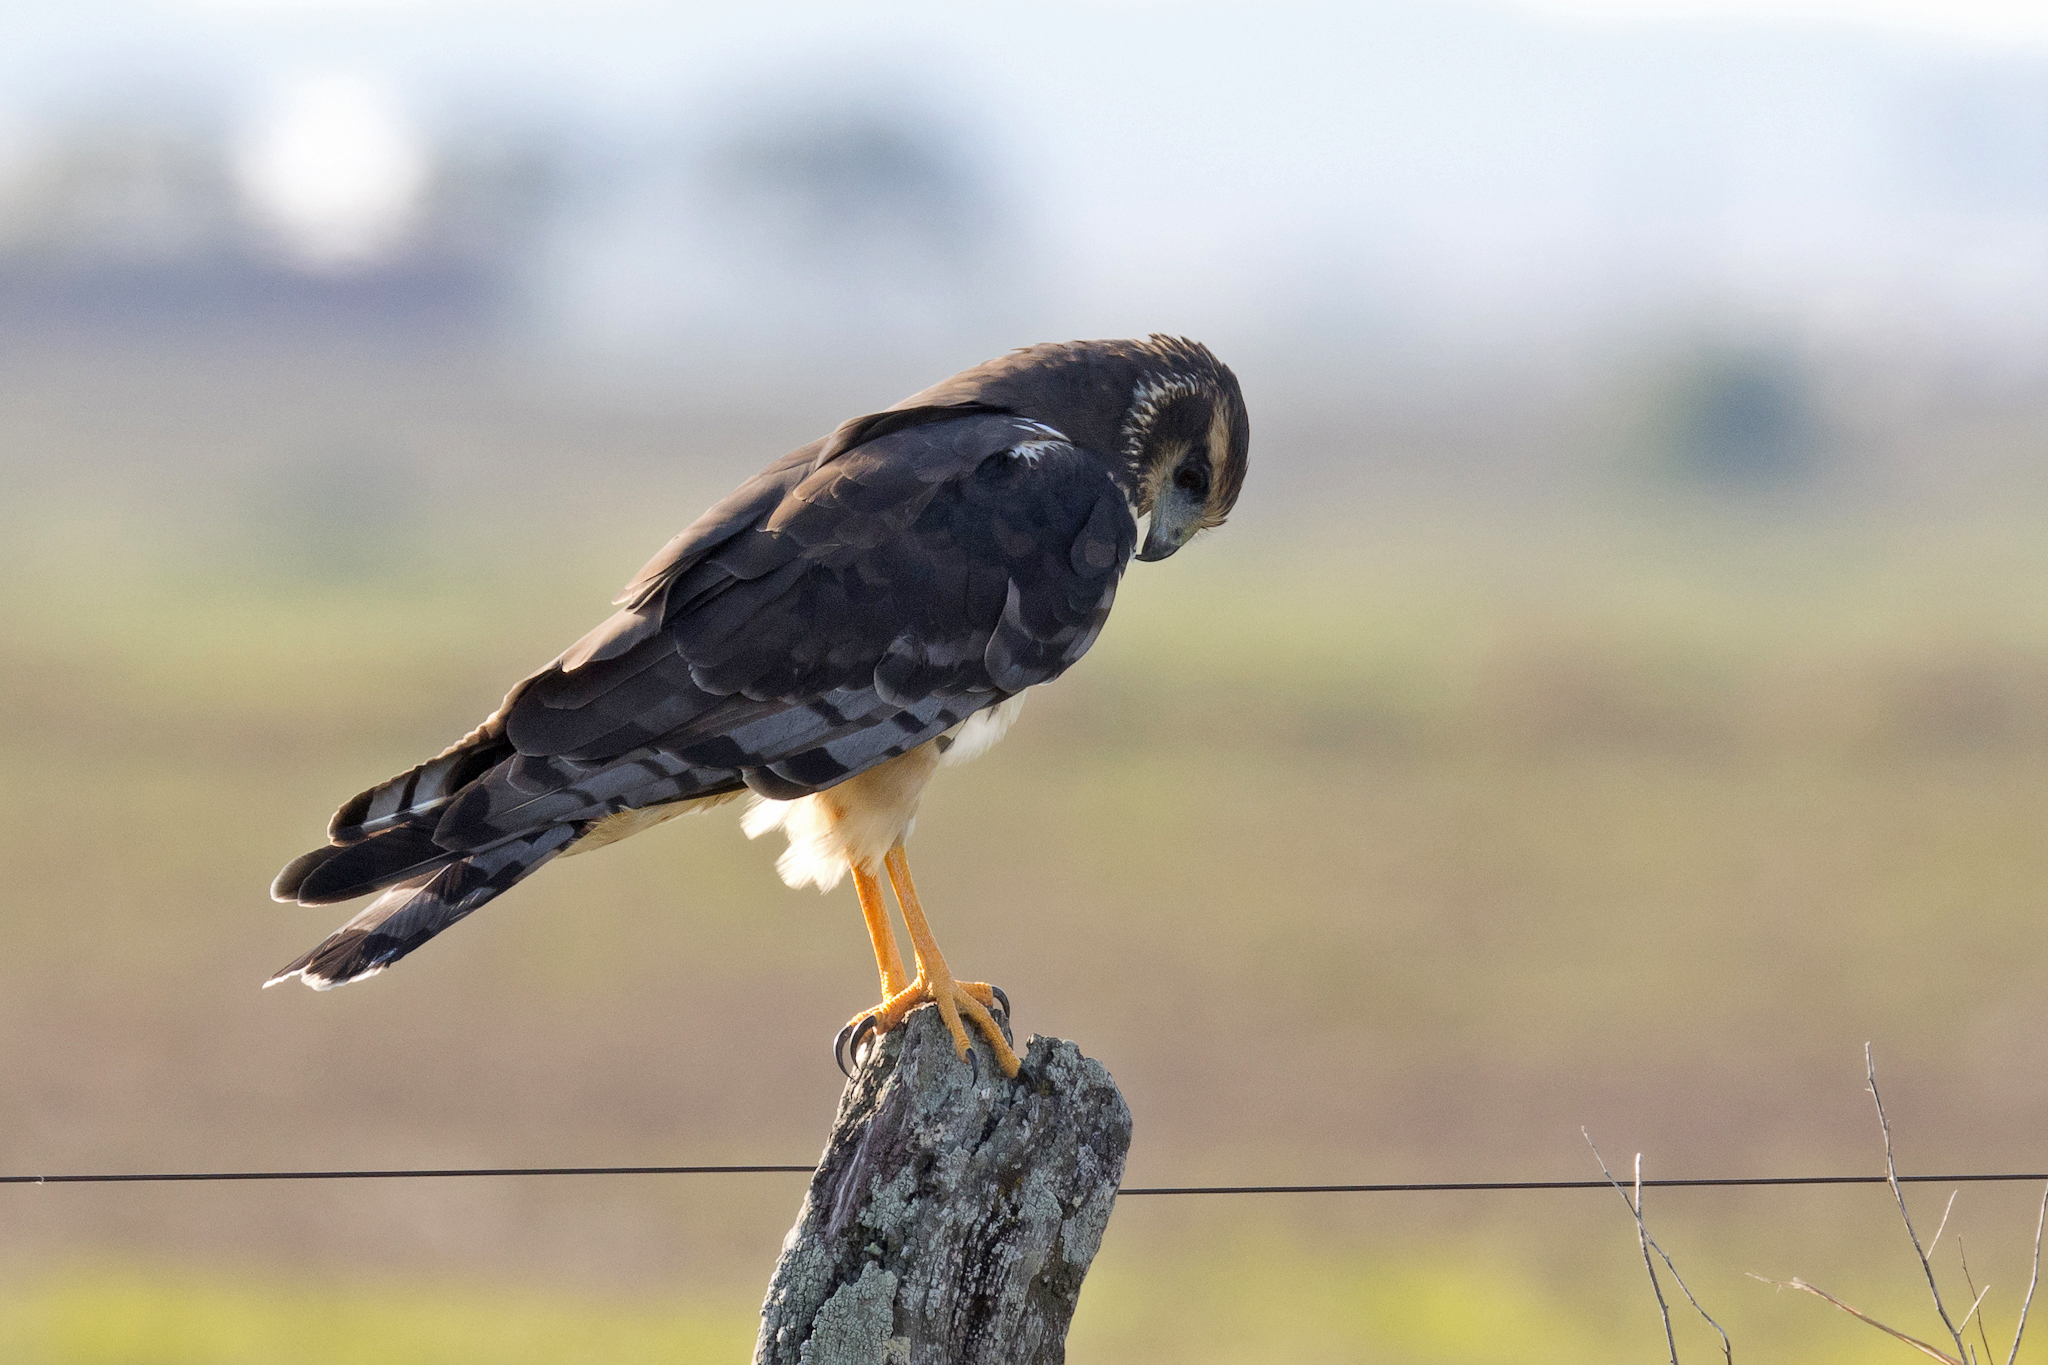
{"x":1193,"y":479}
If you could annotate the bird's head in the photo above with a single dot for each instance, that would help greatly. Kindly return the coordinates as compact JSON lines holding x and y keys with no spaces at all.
{"x":1185,"y":441}
{"x":1165,"y":411}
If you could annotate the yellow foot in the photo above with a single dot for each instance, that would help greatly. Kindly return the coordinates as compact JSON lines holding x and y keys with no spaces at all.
{"x":974,"y":999}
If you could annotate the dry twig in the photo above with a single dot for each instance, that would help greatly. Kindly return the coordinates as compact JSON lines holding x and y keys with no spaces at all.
{"x":1947,"y":1209}
{"x":1796,"y":1283}
{"x":2032,"y":1283}
{"x":1982,"y":1336}
{"x":1649,"y":1244}
{"x":1891,"y":1171}
{"x":1975,"y":1304}
{"x":1964,"y":1354}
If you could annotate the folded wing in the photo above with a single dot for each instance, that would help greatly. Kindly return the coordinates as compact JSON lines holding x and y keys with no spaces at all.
{"x":856,"y":599}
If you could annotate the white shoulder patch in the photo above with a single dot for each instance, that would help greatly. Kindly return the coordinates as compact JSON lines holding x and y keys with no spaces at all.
{"x":1049,"y":438}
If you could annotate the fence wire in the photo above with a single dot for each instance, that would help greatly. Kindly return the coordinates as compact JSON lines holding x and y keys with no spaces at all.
{"x":1406,"y":1187}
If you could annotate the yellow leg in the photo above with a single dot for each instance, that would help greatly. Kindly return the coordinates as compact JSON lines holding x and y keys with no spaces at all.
{"x":935,"y":982}
{"x":876,"y":911}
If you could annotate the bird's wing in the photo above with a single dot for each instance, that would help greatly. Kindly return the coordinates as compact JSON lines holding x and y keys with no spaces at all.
{"x":401,"y":800}
{"x":843,"y":607}
{"x":643,"y":602}
{"x":858,"y":598}
{"x":644,"y":607}
{"x":894,"y":589}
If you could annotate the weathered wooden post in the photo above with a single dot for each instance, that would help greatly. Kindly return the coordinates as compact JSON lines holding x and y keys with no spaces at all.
{"x":954,"y":1213}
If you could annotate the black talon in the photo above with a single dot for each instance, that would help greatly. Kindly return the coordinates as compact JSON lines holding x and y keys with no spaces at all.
{"x":1001,"y":999}
{"x":839,"y":1051}
{"x":973,"y":1065}
{"x":861,"y":1030}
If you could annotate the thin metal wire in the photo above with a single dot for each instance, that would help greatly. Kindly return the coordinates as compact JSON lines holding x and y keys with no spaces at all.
{"x":450,"y":1173}
{"x":1428,"y":1187}
{"x":1453,"y":1186}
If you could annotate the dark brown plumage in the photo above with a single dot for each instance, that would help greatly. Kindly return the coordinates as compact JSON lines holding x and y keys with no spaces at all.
{"x":859,"y":598}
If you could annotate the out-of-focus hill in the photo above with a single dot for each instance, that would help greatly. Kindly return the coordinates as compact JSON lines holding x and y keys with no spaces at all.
{"x":697,"y":195}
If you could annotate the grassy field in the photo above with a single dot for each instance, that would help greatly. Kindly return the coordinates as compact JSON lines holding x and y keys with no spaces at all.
{"x":1384,"y":844}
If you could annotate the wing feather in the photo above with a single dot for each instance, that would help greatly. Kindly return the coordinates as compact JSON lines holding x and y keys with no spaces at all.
{"x":853,"y":601}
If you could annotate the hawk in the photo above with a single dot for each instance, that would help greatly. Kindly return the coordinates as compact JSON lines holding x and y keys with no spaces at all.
{"x":867,"y":609}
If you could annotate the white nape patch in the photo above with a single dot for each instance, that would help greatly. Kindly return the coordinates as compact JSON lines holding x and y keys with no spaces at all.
{"x":1153,"y":392}
{"x":980,"y":732}
{"x":857,"y":821}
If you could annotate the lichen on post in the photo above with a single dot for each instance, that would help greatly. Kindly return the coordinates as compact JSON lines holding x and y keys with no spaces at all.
{"x":954,"y":1213}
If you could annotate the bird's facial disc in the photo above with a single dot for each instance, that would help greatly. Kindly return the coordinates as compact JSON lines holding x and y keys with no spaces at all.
{"x":1183,"y":473}
{"x":1179,"y":506}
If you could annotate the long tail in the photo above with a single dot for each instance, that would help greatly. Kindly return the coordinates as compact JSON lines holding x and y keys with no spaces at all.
{"x":383,"y":842}
{"x":416,"y":908}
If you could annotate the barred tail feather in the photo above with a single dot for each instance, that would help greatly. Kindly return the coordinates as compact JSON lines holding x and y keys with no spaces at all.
{"x":410,"y":913}
{"x":402,"y":799}
{"x":341,"y":872}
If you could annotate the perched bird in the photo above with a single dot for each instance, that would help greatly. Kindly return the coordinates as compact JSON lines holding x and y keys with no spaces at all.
{"x":867,"y":609}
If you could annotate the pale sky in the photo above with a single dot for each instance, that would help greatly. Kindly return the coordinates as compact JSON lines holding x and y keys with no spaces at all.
{"x":1862,"y":168}
{"x":1994,"y":20}
{"x":1999,"y":21}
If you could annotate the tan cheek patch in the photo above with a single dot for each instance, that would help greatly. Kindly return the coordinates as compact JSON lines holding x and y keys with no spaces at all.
{"x":1156,"y":475}
{"x":1219,"y":453}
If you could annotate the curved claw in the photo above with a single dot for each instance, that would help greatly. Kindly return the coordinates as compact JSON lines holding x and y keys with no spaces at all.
{"x":839,"y":1051}
{"x":1001,"y":999}
{"x":863,"y":1031}
{"x":973,"y":1065}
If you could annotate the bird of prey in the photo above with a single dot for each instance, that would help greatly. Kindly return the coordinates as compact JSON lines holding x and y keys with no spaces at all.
{"x":868,"y":608}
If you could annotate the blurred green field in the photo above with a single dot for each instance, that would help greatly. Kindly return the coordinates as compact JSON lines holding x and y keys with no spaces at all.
{"x":1390,"y":839}
{"x":1264,"y":1295}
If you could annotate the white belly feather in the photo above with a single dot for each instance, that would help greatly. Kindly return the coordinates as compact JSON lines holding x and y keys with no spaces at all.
{"x":865,"y":816}
{"x":976,"y":735}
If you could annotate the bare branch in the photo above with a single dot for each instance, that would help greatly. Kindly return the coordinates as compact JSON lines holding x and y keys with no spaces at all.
{"x":1975,"y":1304}
{"x":1892,"y":1176}
{"x":1947,"y":1209}
{"x":1635,"y":1207}
{"x":1982,"y":1336}
{"x":2032,"y":1284}
{"x":1860,"y":1316}
{"x":1643,"y":1239}
{"x":1727,"y":1347}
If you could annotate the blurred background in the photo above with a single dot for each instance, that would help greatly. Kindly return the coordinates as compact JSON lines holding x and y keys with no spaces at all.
{"x":1621,"y":694}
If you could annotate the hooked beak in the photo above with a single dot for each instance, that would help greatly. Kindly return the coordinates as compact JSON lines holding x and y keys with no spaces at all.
{"x":1174,"y":522}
